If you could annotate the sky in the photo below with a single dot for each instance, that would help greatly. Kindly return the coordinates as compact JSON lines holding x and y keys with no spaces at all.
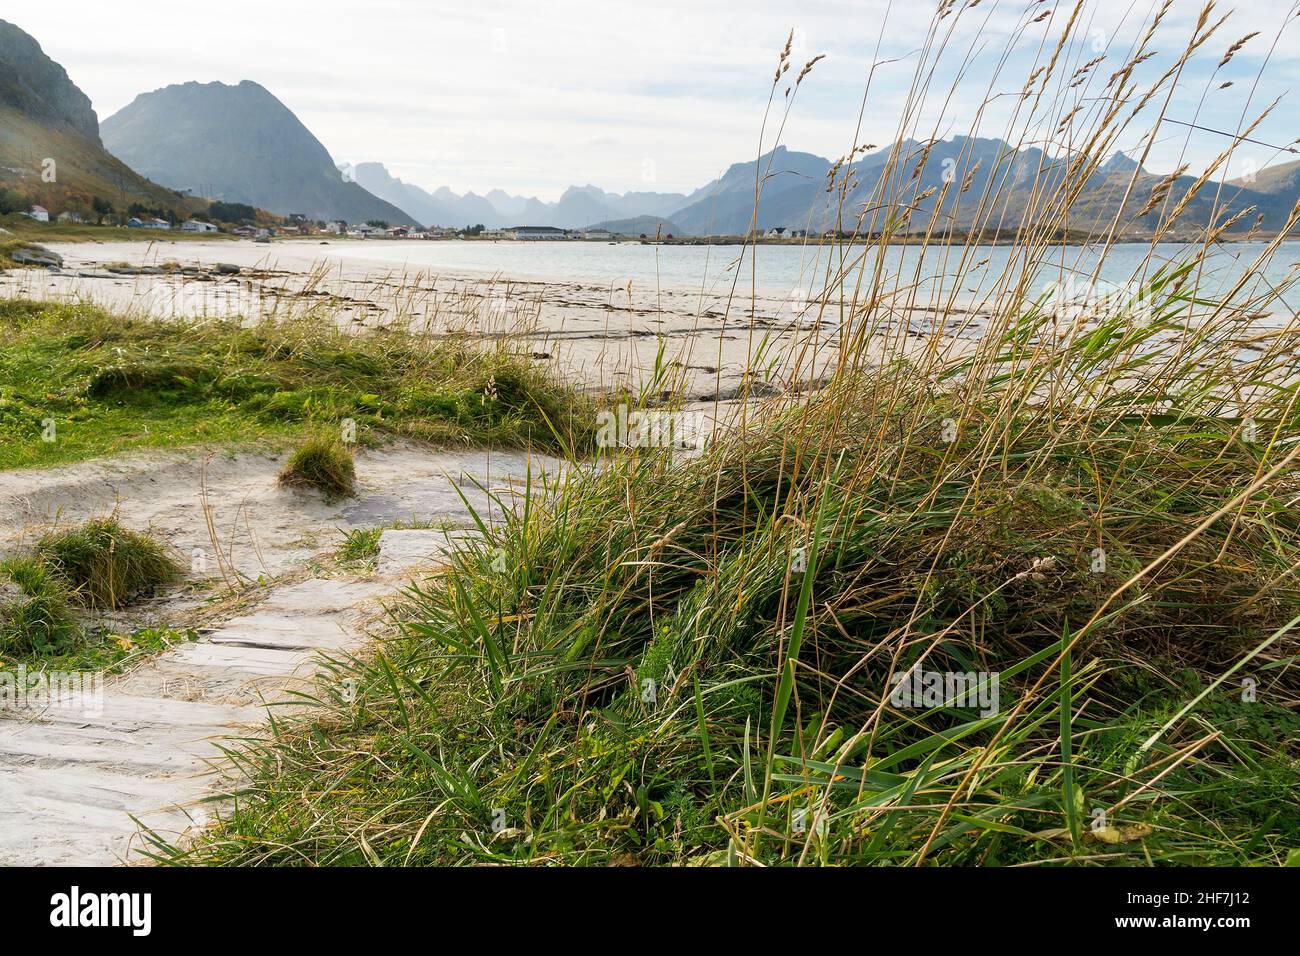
{"x":532,"y":97}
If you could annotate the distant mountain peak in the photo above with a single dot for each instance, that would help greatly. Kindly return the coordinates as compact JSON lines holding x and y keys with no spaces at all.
{"x":1119,"y":162}
{"x":239,"y":143}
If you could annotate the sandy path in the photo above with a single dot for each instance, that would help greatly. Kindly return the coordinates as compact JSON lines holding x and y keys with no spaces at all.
{"x":145,"y":744}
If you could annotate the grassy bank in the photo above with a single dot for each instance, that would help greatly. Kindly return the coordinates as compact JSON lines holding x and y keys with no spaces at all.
{"x":77,"y":382}
{"x":684,"y":663}
{"x":33,"y":231}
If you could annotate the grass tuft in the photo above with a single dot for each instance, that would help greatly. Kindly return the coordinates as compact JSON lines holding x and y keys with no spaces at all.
{"x":104,"y":564}
{"x":323,"y":464}
{"x":36,"y":617}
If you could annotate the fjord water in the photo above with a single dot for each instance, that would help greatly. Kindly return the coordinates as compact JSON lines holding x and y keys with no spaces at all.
{"x":799,"y":269}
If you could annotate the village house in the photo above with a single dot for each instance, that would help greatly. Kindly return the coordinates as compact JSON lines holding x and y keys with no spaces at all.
{"x":39,"y":213}
{"x":67,"y":216}
{"x":194,"y":225}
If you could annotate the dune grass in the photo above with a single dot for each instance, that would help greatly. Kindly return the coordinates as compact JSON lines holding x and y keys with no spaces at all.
{"x":662,"y":661}
{"x":36,"y":617}
{"x":105,"y":565}
{"x":49,"y":620}
{"x":323,"y":464}
{"x":77,"y":382}
{"x":692,"y":663}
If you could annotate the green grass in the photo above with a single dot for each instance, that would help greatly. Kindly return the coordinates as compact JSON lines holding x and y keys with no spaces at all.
{"x":41,"y":627}
{"x":361,"y":545}
{"x":104,"y":565}
{"x":322,"y":464}
{"x":103,"y":650}
{"x":36,"y":616}
{"x":77,"y":382}
{"x":515,"y":686}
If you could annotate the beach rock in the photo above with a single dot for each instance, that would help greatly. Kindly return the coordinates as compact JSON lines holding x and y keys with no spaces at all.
{"x":36,"y":256}
{"x":226,"y":269}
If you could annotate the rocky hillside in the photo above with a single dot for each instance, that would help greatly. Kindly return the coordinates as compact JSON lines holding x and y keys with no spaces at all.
{"x":50,"y":149}
{"x":238,"y":144}
{"x":37,"y":87}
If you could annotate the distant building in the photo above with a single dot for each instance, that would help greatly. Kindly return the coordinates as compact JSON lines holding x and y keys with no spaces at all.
{"x":246,"y":231}
{"x":776,"y":232}
{"x":39,"y":213}
{"x":71,"y":217}
{"x":194,"y":225}
{"x":536,"y":232}
{"x":336,"y":228}
{"x":364,"y":230}
{"x":598,"y":234}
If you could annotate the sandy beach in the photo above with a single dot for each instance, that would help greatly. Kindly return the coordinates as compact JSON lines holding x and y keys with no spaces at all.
{"x":602,"y":337}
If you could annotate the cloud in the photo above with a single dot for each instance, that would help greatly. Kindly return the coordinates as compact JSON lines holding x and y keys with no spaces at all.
{"x":532,"y":97}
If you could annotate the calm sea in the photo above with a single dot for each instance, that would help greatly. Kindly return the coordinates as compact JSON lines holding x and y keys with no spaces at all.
{"x":783,"y":270}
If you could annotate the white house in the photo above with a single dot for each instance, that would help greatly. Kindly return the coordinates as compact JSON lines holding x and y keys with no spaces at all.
{"x":39,"y":213}
{"x":193,"y":225}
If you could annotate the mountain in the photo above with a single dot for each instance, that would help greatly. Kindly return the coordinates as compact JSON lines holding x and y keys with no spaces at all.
{"x":968,"y":183}
{"x":649,"y":226}
{"x":412,"y":200}
{"x":239,"y":144}
{"x":791,"y":184}
{"x":1280,"y":181}
{"x":50,"y":148}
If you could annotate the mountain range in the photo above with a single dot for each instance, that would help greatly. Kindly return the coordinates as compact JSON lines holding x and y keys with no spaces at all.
{"x":241,"y":144}
{"x":579,"y":207}
{"x":989,"y":185}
